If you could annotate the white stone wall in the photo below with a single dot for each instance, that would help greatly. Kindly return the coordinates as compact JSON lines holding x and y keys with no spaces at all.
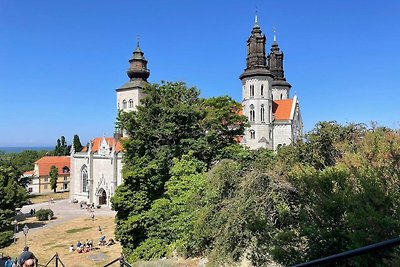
{"x":78,"y":160}
{"x":279,"y":93}
{"x":282,"y":135}
{"x":135,"y":94}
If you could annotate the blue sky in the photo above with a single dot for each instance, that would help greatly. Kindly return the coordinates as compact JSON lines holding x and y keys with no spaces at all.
{"x":61,"y":61}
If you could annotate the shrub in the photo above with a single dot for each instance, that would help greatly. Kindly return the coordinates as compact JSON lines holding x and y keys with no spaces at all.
{"x":44,"y":214}
{"x":6,"y":238}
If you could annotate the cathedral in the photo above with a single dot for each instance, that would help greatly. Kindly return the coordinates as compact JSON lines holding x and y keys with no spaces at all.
{"x":274,"y":118}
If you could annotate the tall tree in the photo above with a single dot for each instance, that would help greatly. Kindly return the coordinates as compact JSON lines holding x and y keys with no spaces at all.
{"x":77,"y":143}
{"x":53,"y":177}
{"x":172,"y":121}
{"x":13,"y":196}
{"x":62,"y":149}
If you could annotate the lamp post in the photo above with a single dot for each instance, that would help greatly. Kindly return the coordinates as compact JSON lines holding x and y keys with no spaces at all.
{"x":25,"y":229}
{"x":15,"y":223}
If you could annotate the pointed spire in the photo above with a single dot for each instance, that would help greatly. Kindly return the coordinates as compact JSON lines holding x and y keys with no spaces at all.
{"x":274,"y":34}
{"x":138,"y":44}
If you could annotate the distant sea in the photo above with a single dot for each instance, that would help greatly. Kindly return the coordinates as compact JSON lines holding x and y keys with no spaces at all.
{"x":17,"y":149}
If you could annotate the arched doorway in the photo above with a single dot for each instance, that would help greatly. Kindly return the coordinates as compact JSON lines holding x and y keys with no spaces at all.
{"x":103,"y":198}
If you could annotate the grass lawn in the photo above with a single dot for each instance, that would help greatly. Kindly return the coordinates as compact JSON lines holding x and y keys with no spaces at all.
{"x":45,"y":243}
{"x":44,"y":198}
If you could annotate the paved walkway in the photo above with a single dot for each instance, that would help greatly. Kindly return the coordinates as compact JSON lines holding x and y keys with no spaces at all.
{"x":64,"y":211}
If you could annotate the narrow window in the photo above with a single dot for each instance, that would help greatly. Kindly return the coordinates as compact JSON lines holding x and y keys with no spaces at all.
{"x":262,"y":89}
{"x":252,"y":134}
{"x":251,"y":90}
{"x":130,"y":103}
{"x":281,"y":96}
{"x":252,"y":113}
{"x":262,"y":113}
{"x":124,"y":104}
{"x":84,"y":176}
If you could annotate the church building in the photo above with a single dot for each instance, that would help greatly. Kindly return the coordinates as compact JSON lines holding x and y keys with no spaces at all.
{"x":96,"y":171}
{"x":274,"y":118}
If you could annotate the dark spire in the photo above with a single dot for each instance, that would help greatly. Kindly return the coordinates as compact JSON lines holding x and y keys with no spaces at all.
{"x":275,"y":64}
{"x":138,"y":68}
{"x":256,"y":63}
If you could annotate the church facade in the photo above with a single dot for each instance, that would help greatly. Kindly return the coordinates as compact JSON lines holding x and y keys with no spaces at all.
{"x":274,"y":118}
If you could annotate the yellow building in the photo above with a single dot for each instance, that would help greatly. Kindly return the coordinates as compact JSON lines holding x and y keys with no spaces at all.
{"x":41,"y":174}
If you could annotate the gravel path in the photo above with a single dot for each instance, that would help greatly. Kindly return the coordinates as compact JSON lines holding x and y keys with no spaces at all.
{"x":63,"y":210}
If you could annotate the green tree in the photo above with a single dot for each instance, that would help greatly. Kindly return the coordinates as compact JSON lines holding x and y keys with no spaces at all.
{"x":13,"y":196}
{"x":62,"y":149}
{"x":77,"y":143}
{"x":172,"y":121}
{"x":53,"y":177}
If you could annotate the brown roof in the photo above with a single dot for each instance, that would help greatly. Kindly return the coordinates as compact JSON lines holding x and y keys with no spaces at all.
{"x":46,"y":162}
{"x":282,"y":108}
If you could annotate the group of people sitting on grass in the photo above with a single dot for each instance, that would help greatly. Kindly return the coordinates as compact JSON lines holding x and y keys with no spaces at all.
{"x":82,"y":247}
{"x":88,"y":246}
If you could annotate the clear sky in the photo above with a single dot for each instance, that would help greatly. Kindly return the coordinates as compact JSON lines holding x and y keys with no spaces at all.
{"x":61,"y":61}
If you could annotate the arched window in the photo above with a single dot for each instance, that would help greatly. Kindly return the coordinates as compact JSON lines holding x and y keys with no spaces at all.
{"x":262,"y":113}
{"x":124,"y":104}
{"x":130,"y":103}
{"x":252,"y":113}
{"x":270,"y":134}
{"x":251,"y":90}
{"x":281,"y":96}
{"x":84,"y":177}
{"x":262,"y":89}
{"x":252,"y":134}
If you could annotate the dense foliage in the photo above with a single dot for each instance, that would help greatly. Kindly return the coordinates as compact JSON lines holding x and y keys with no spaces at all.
{"x":190,"y":190}
{"x":61,"y":148}
{"x":12,"y":196}
{"x":77,"y":145}
{"x":172,"y":121}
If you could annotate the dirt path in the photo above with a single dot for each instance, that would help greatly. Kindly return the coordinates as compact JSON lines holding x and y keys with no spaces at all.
{"x":64,"y":211}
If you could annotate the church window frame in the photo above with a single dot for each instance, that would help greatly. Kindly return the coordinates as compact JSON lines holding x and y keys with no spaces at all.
{"x":252,"y":113}
{"x":262,"y":90}
{"x":262,"y":113}
{"x":84,"y":179}
{"x":252,"y":134}
{"x":124,"y":104}
{"x":130,"y":103}
{"x":251,"y":90}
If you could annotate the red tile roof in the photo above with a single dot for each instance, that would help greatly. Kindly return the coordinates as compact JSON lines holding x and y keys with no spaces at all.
{"x":46,"y":162}
{"x":282,"y":108}
{"x":28,"y":173}
{"x":110,"y":140}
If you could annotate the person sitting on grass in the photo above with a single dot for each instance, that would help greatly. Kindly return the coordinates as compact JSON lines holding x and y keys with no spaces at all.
{"x":110,"y":242}
{"x":102,"y":240}
{"x":71,"y":248}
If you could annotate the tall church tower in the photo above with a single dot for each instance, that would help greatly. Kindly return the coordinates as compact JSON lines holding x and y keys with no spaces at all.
{"x":280,"y":87}
{"x":256,"y":91}
{"x":130,"y":94}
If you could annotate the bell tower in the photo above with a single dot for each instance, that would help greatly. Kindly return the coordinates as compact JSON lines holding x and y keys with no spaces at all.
{"x":130,"y":94}
{"x":256,"y":92}
{"x":280,"y":87}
